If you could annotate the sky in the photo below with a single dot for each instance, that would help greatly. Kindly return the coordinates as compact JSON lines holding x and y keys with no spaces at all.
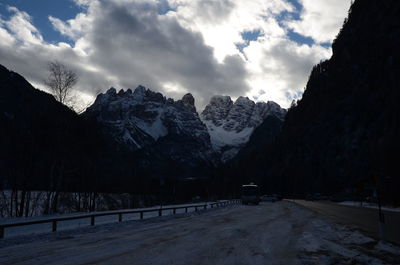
{"x":263,"y":49}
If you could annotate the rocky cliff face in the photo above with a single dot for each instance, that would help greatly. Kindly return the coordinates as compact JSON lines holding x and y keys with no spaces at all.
{"x":144,"y":119}
{"x":230,"y":124}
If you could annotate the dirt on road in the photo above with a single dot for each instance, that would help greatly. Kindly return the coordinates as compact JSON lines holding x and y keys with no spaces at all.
{"x":270,"y":233}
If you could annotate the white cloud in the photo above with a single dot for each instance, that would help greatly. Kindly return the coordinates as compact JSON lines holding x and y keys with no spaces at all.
{"x":279,"y":68}
{"x":21,"y":27}
{"x":72,"y":28}
{"x":221,"y":22}
{"x":322,"y":19}
{"x":190,"y":48}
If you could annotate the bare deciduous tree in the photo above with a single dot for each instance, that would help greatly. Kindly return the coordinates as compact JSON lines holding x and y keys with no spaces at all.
{"x":61,"y":80}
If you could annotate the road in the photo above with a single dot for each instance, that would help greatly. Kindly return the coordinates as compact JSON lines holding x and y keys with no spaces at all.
{"x":366,"y":219}
{"x":271,"y":233}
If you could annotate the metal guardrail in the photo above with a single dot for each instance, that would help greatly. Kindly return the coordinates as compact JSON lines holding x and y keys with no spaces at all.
{"x":120,"y":214}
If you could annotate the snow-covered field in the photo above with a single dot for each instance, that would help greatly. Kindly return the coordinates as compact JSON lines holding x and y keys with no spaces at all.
{"x":271,"y":233}
{"x":370,"y":205}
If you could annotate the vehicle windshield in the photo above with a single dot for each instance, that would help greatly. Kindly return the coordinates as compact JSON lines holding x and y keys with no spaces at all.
{"x":250,"y":190}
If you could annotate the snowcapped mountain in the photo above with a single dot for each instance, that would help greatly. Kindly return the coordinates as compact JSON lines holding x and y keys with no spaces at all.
{"x":146,"y":120}
{"x":230,"y":124}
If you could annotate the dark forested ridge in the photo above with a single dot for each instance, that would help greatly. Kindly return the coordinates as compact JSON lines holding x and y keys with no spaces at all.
{"x":344,"y":132}
{"x":44,"y":145}
{"x":47,"y":146}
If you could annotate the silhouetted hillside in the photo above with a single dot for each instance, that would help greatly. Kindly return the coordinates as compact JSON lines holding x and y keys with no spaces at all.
{"x":44,"y":144}
{"x":344,"y":133}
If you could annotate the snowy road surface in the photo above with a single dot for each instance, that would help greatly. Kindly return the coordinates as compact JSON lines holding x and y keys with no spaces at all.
{"x":271,"y":233}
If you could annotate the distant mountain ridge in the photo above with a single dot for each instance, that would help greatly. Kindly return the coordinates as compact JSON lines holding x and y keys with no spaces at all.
{"x":143,"y":119}
{"x":138,"y":119}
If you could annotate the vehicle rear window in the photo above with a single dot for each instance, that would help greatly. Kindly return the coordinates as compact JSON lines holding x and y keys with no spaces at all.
{"x":250,"y":190}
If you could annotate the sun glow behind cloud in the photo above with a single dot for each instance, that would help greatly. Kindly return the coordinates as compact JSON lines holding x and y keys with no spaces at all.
{"x":261,"y":49}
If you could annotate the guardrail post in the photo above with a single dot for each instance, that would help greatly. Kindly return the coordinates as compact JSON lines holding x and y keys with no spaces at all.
{"x":54,"y":226}
{"x":1,"y":232}
{"x":174,"y":211}
{"x":205,"y":206}
{"x":186,"y":209}
{"x":141,"y":215}
{"x":92,"y":220}
{"x":160,"y":212}
{"x":120,"y":217}
{"x":195,"y":208}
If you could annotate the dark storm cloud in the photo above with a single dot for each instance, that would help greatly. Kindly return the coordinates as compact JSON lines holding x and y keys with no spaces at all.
{"x":142,"y":47}
{"x":128,"y":44}
{"x":174,"y":46}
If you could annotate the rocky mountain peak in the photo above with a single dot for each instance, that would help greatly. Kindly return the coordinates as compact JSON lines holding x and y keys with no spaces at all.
{"x":147,"y":120}
{"x":243,"y":101}
{"x":139,"y":118}
{"x":111,"y":91}
{"x":188,"y":101}
{"x":217,"y":110}
{"x":140,"y":90}
{"x":230,"y":124}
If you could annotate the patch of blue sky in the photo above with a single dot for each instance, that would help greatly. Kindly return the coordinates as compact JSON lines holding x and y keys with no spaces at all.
{"x":40,"y":10}
{"x":296,"y":96}
{"x":299,"y":38}
{"x":251,"y":35}
{"x":326,"y":44}
{"x":248,"y":36}
{"x":295,"y":15}
{"x":163,"y":7}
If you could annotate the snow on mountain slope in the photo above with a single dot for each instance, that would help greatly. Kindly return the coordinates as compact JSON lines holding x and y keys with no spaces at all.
{"x":166,"y":136}
{"x":230,"y":124}
{"x":138,"y":119}
{"x":130,"y":117}
{"x":144,"y":119}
